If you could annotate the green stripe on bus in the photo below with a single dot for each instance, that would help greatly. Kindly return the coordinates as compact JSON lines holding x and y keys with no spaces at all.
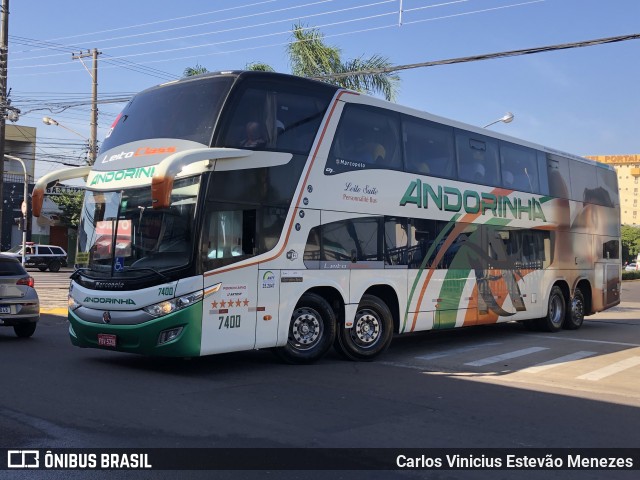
{"x":426,"y":258}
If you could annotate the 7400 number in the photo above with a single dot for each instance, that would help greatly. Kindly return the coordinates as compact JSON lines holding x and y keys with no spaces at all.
{"x":229,"y":321}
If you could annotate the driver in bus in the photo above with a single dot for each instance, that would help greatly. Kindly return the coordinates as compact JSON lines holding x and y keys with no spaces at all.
{"x":254,"y":136}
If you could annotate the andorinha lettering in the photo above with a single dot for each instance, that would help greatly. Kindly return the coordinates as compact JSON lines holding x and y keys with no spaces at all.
{"x":140,"y":152}
{"x":128,"y":173}
{"x":451,"y":199}
{"x":118,"y":301}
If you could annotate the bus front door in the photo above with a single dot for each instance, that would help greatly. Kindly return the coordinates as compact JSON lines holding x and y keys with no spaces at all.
{"x":229,"y":315}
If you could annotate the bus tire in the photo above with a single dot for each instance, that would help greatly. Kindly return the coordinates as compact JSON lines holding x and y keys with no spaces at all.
{"x":370,"y":334}
{"x":311,"y":332}
{"x":575,"y":316}
{"x":556,"y":311}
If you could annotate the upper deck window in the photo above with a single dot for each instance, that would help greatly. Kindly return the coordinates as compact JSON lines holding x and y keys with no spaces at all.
{"x":185,"y":110}
{"x":367,"y":138}
{"x":274,"y":115}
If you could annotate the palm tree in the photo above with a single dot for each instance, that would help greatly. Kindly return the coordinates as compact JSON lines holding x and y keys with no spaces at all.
{"x":310,"y":56}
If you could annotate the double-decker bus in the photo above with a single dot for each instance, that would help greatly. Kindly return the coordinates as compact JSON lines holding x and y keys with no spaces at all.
{"x":249,"y":210}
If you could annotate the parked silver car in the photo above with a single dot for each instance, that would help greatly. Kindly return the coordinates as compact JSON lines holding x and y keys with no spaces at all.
{"x":19,"y":303}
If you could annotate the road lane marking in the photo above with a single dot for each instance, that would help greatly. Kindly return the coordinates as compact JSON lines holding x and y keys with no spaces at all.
{"x":604,"y":342}
{"x":455,"y":351}
{"x":558,"y":361}
{"x":611,"y":369}
{"x":505,"y":356}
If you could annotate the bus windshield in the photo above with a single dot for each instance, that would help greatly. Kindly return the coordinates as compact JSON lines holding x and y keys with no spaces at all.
{"x":185,"y":110}
{"x":120,"y":232}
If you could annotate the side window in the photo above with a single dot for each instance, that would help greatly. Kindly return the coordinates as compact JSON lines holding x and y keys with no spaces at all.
{"x":462,"y":252}
{"x":519,"y":168}
{"x":352,"y":239}
{"x":558,"y":174}
{"x":270,"y":116}
{"x":422,"y":234}
{"x":477,"y":158}
{"x":367,"y":138}
{"x":611,"y":249}
{"x":584,"y":182}
{"x":518,"y":249}
{"x":44,"y":251}
{"x":543,"y":173}
{"x":395,"y":241}
{"x":57,"y":251}
{"x":228,"y":235}
{"x":428,"y":148}
{"x":608,"y":187}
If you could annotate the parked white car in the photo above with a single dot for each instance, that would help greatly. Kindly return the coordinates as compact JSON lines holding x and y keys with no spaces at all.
{"x":42,"y":257}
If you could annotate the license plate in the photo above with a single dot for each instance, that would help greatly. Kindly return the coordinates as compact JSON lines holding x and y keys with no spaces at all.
{"x":106,"y":340}
{"x":4,"y":309}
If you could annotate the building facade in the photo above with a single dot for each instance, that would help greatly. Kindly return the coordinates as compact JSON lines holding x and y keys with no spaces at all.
{"x":20,"y":142}
{"x":628,"y":170}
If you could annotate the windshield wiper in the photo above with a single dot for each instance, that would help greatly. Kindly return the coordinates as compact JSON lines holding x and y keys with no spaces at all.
{"x":158,"y":273}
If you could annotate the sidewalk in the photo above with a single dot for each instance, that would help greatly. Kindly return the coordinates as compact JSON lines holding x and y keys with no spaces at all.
{"x":53,"y":301}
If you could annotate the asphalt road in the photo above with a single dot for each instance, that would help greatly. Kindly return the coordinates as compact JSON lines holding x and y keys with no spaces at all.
{"x":497,"y":386}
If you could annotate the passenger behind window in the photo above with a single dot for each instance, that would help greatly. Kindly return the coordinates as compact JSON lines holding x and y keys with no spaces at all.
{"x":478,"y":172}
{"x":254,"y":136}
{"x":508,"y":180}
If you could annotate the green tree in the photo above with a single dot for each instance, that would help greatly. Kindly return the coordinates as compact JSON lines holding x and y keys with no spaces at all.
{"x":630,"y":237}
{"x":71,"y":205}
{"x":259,"y":66}
{"x":197,"y":70}
{"x":310,"y":56}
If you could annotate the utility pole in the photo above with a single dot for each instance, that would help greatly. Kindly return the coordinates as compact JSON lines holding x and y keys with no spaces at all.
{"x":4,"y":48}
{"x":93,"y":142}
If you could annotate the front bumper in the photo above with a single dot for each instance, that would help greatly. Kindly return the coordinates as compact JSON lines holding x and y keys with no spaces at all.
{"x":143,"y":338}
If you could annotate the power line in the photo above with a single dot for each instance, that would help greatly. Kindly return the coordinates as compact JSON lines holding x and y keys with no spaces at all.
{"x":226,"y":21}
{"x":185,"y":57}
{"x":164,"y":21}
{"x":487,"y":56}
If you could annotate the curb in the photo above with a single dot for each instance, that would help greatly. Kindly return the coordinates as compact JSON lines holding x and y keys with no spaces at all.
{"x":55,"y":311}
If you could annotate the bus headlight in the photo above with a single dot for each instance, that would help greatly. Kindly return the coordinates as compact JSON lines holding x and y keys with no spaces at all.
{"x":173,"y":305}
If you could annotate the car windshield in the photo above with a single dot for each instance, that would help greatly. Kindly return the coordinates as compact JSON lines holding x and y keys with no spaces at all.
{"x":120,"y":231}
{"x":16,"y":249}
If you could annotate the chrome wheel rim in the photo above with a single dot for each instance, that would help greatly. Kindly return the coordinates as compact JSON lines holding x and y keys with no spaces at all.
{"x":366,"y":329}
{"x":577,"y":310}
{"x":556,"y":310}
{"x":306,"y":329}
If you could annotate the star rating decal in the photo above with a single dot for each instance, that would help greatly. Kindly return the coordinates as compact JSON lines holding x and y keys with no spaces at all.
{"x":230,"y":303}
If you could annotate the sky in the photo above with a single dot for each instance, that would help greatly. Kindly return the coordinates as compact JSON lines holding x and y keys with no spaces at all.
{"x":584,"y":100}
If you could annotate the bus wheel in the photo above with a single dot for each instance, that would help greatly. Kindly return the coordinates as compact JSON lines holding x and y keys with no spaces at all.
{"x":555,"y":313}
{"x":371,"y":332}
{"x":311,"y":331}
{"x":576,"y":312}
